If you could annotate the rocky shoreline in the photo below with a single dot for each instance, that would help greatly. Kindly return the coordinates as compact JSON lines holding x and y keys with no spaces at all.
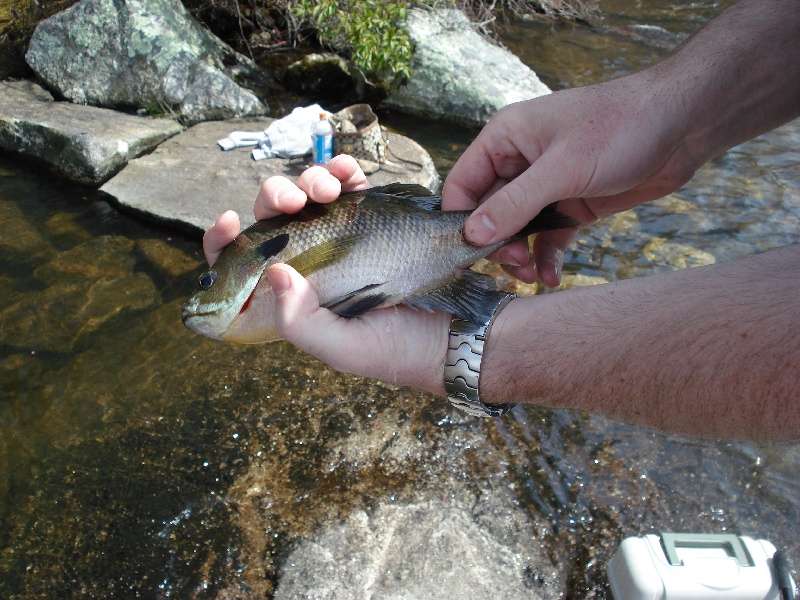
{"x":104,"y":69}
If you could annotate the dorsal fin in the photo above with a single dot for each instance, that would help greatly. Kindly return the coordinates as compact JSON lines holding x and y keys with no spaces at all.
{"x":407,"y":193}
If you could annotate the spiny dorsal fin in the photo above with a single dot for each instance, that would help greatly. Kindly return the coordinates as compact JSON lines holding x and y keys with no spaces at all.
{"x":323,"y":254}
{"x":470,"y":295}
{"x":407,"y":193}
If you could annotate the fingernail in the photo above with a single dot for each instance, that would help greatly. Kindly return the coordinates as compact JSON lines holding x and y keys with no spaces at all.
{"x":481,"y":231}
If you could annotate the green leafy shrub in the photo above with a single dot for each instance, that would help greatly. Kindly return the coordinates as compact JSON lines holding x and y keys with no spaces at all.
{"x":371,"y":32}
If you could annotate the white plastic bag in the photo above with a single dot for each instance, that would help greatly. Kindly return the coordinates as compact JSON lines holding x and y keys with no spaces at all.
{"x":286,"y":137}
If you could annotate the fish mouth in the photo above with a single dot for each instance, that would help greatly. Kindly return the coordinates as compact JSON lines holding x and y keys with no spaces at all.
{"x":189,"y":310}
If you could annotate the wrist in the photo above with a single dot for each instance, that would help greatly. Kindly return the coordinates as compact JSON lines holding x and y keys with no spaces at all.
{"x":427,"y":371}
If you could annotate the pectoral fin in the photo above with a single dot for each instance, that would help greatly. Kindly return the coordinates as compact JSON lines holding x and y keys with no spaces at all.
{"x":470,"y":295}
{"x":323,"y":254}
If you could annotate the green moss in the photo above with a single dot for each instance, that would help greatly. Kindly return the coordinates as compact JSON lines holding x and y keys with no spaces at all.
{"x":371,"y":32}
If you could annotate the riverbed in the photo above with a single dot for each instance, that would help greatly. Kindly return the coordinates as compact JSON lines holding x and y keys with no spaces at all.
{"x":138,"y":459}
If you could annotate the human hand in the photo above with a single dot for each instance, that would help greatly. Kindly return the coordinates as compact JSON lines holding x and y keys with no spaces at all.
{"x":397,"y":344}
{"x":595,"y":150}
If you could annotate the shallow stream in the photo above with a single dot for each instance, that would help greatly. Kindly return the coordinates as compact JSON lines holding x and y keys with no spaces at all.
{"x":138,"y":459}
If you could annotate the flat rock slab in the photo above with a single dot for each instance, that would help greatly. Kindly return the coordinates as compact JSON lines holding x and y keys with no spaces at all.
{"x":188,"y":181}
{"x":83,"y":143}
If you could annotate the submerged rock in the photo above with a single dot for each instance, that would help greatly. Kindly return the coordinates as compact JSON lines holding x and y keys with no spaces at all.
{"x":83,"y":288}
{"x":458,"y":74}
{"x":83,"y":143}
{"x":147,"y":54}
{"x":663,"y":252}
{"x":427,"y":550}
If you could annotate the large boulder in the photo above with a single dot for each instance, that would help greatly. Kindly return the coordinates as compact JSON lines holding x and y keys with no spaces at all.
{"x":147,"y":54}
{"x":83,"y":143}
{"x":457,"y":73}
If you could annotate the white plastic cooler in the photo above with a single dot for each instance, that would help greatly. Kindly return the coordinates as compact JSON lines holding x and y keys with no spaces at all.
{"x":694,"y":567}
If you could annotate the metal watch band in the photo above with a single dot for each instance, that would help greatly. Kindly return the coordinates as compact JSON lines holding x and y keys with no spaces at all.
{"x":462,"y":365}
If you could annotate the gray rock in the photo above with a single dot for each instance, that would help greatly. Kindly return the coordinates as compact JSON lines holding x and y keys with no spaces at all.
{"x":188,"y":181}
{"x":458,"y":74}
{"x":427,"y":550}
{"x":147,"y":54}
{"x":83,"y":143}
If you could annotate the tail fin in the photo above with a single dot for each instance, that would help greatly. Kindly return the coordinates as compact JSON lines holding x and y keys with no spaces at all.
{"x":549,"y":218}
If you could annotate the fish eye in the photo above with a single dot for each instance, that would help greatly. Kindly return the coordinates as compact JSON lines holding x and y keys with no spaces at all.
{"x":206,"y":280}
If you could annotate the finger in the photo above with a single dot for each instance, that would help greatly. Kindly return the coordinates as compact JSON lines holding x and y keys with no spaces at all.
{"x":549,"y":249}
{"x":490,"y":161}
{"x":278,"y":195}
{"x":526,"y":273}
{"x":514,"y":254}
{"x":299,"y":318}
{"x":319,"y":184}
{"x":219,"y":235}
{"x":346,"y":169}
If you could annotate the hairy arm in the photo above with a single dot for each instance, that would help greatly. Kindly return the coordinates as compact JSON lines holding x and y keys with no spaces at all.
{"x":738,"y":77}
{"x":711,"y":351}
{"x":602,"y":149}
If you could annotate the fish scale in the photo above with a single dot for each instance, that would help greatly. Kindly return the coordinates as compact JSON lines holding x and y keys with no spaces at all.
{"x":367,"y":250}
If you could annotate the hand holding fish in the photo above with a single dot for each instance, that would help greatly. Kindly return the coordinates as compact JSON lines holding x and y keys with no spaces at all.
{"x":370,"y":345}
{"x":602,"y":149}
{"x":595,"y":150}
{"x":708,"y":351}
{"x":278,"y":196}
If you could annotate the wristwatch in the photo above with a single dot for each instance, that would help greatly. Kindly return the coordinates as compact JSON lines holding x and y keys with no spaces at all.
{"x":462,"y":365}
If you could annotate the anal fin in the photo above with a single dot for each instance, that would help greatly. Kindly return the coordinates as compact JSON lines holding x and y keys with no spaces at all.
{"x":470,"y":295}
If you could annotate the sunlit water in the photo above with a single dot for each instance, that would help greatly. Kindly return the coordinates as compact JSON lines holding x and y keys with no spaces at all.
{"x":138,"y":458}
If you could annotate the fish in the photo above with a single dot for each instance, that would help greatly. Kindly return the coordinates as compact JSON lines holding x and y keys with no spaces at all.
{"x":367,"y":250}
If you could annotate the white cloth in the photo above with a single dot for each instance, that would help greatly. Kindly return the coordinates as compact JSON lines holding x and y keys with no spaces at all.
{"x":286,"y":137}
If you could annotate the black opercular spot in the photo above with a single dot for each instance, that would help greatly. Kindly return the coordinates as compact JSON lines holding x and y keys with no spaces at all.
{"x":206,"y":280}
{"x":271,"y":247}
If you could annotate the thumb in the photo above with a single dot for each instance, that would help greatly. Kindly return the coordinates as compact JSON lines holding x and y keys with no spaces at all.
{"x":511,"y":207}
{"x":299,"y":319}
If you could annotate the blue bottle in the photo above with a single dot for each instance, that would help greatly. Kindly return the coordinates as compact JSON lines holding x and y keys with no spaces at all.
{"x":322,"y":140}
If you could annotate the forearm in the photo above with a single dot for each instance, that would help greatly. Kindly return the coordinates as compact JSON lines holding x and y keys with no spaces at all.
{"x":711,"y":351}
{"x":736,"y":78}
